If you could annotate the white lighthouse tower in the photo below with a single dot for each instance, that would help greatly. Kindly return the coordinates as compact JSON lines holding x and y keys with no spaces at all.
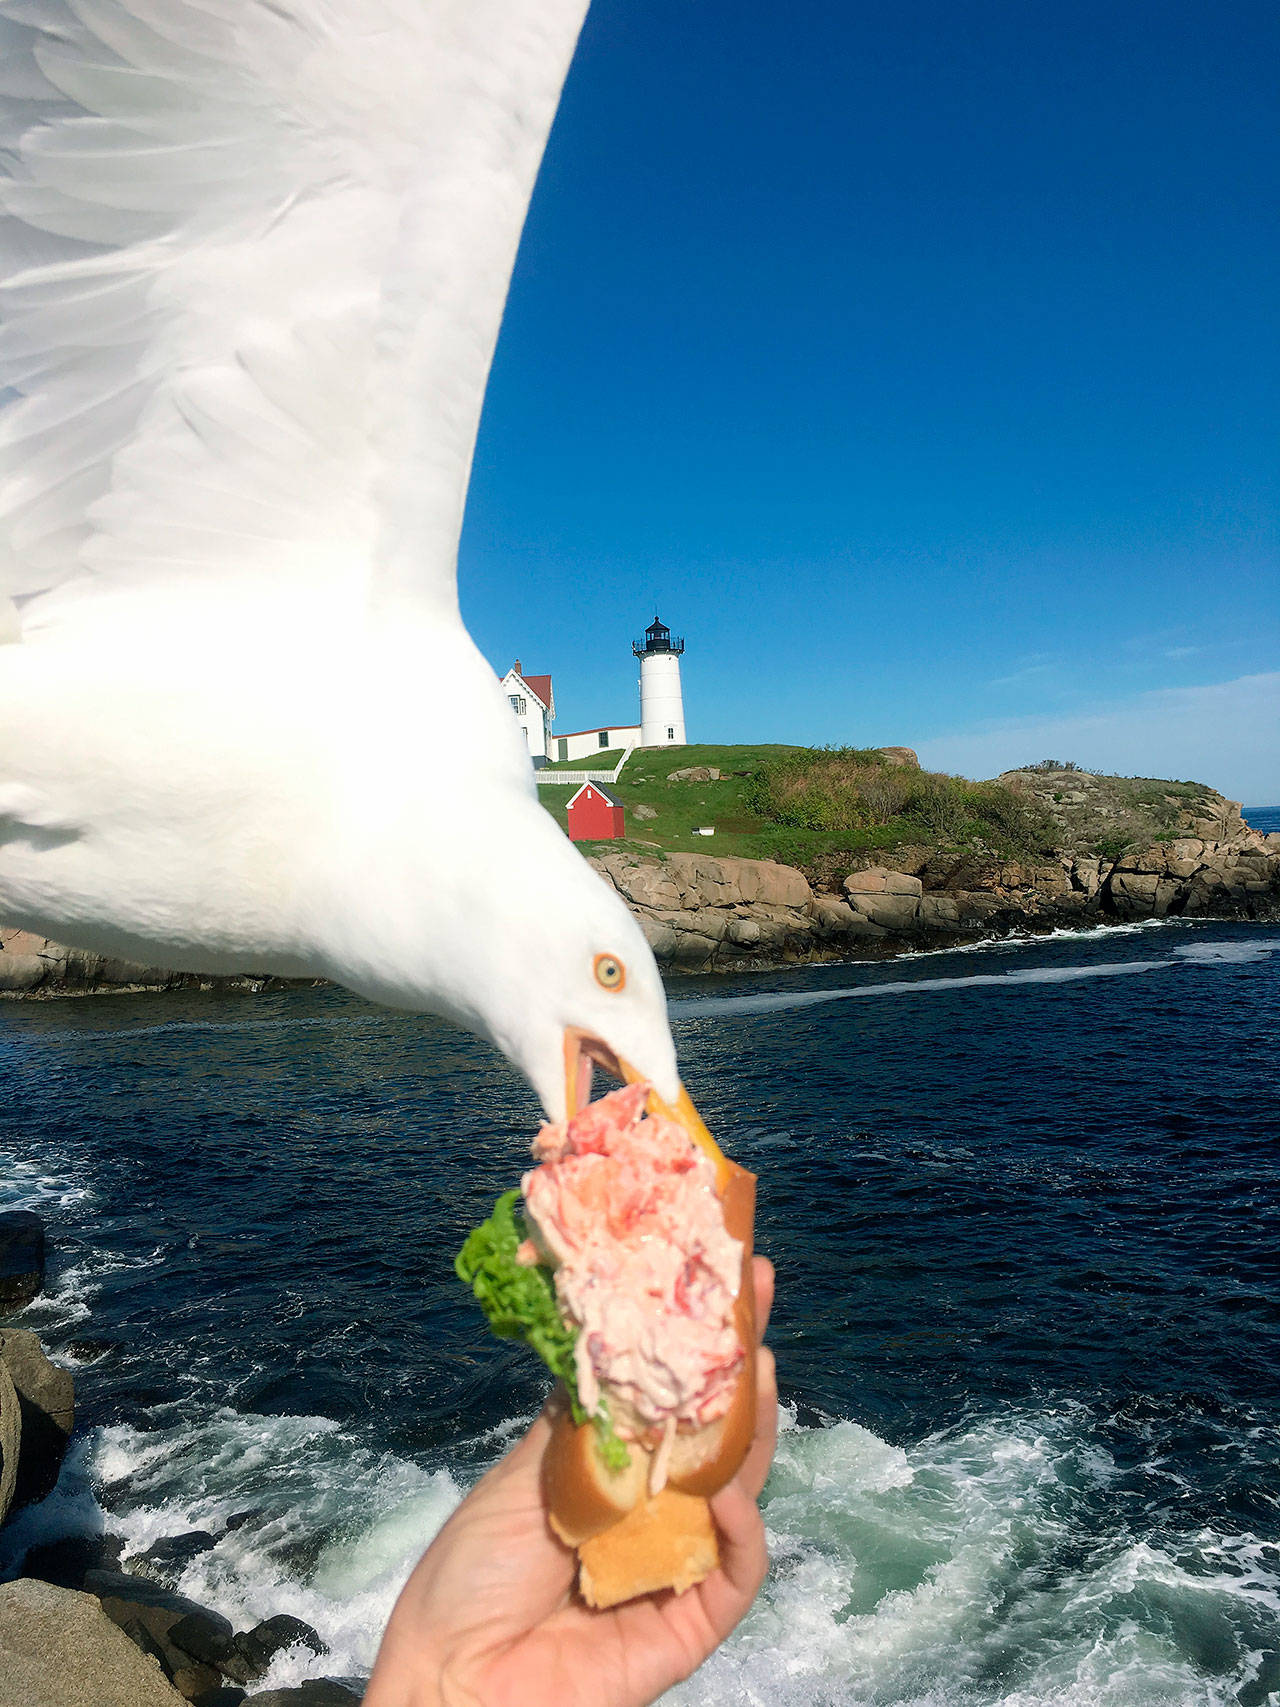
{"x":661,"y":704}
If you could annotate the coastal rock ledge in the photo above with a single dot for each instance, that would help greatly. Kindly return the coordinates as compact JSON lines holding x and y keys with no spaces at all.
{"x":701,"y":913}
{"x":706,"y":913}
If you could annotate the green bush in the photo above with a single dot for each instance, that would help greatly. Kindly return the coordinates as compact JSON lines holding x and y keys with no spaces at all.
{"x":852,"y":790}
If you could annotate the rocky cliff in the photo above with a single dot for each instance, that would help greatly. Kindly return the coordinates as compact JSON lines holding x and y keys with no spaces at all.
{"x":704,"y":913}
{"x":1127,"y":850}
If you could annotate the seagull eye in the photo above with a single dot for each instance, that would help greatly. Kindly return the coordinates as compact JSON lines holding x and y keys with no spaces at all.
{"x":611,"y":974}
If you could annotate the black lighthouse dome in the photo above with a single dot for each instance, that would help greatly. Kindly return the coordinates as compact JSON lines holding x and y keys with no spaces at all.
{"x":657,"y":638}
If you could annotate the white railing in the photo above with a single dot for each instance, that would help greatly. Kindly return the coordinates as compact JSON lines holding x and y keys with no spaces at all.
{"x":576,"y":778}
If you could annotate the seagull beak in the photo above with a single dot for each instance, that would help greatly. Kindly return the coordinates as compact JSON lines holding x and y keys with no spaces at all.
{"x":583,"y":1053}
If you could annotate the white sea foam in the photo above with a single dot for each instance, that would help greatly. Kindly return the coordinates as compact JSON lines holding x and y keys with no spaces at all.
{"x":778,"y":1001}
{"x":1195,"y":954}
{"x":976,"y":1568}
{"x":952,"y":1574}
{"x":1227,"y":953}
{"x":27,"y":1185}
{"x":335,"y":1530}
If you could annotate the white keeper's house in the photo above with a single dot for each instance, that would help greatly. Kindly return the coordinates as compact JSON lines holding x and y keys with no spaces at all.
{"x":534,"y":703}
{"x":586,"y":743}
{"x":661,"y":707}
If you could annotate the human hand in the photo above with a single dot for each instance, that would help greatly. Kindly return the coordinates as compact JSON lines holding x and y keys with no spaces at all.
{"x":489,"y":1617}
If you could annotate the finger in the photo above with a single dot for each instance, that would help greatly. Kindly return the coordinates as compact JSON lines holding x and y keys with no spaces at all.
{"x":762,"y":1277}
{"x":744,"y":1558}
{"x":755,"y":1466}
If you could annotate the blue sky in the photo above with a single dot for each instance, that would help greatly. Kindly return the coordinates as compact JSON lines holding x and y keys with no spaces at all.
{"x":918,"y":363}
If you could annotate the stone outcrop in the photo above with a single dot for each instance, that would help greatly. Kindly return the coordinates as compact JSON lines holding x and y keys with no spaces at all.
{"x":1128,"y":849}
{"x":696,"y":910}
{"x":198,"y":1650}
{"x":57,"y":1647}
{"x":21,"y":1258}
{"x":35,"y":965}
{"x":701,"y":913}
{"x":37,"y":1410}
{"x":30,"y":962}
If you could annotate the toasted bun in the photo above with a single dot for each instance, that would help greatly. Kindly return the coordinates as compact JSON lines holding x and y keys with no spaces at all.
{"x":668,"y":1541}
{"x":608,"y":1516}
{"x":583,"y":1495}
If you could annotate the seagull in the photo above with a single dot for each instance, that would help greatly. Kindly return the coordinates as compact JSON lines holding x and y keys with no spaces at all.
{"x":253,"y":269}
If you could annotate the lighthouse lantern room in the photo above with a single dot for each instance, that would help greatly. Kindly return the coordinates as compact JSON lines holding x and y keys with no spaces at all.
{"x":661,"y":703}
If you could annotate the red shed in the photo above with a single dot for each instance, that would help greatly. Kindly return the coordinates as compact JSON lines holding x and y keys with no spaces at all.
{"x":595,"y":815}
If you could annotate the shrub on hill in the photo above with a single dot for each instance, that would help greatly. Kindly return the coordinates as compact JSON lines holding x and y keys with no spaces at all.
{"x":847,"y":790}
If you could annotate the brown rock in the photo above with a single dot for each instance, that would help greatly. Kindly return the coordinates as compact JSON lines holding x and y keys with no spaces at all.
{"x":46,"y":1400}
{"x":894,"y":912}
{"x":10,"y":1441}
{"x":881,"y":880}
{"x":939,"y":912}
{"x":58,"y":1650}
{"x":900,"y":756}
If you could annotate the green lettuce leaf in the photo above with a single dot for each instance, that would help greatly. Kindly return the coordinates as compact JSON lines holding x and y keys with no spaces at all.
{"x":520,"y":1302}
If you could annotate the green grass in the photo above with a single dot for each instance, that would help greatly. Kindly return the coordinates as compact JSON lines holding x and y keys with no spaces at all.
{"x":803,"y":805}
{"x":730,"y":805}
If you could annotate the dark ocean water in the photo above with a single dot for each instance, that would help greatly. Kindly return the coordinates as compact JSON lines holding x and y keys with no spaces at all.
{"x":1024,"y":1202}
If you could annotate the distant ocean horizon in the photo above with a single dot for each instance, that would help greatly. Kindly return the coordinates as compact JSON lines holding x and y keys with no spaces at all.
{"x":1024,"y":1201}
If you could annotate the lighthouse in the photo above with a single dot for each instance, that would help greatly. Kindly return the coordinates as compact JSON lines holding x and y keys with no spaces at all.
{"x":661,"y":705}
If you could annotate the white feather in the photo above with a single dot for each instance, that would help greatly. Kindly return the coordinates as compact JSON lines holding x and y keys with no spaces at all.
{"x":251,"y":283}
{"x":291,"y":229}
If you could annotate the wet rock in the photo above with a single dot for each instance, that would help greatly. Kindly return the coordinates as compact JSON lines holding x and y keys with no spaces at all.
{"x":40,"y":1426}
{"x":196,"y":1683}
{"x":132,"y":1603}
{"x":67,"y":1560}
{"x":90,"y":1351}
{"x":211,"y":1640}
{"x":171,"y":1554}
{"x":21,"y":1258}
{"x":319,"y":1692}
{"x":57,"y":1647}
{"x":274,"y":1635}
{"x":254,"y":1650}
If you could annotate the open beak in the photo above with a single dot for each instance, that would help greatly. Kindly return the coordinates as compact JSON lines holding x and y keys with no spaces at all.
{"x":583,"y":1053}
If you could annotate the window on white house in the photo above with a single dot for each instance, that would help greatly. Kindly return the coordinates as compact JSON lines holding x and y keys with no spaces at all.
{"x":671,"y":734}
{"x":519,"y":704}
{"x":604,"y":738}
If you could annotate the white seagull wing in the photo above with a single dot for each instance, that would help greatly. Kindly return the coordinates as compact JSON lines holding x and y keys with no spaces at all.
{"x":251,"y":279}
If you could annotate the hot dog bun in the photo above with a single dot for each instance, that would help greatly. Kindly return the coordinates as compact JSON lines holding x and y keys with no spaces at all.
{"x":629,"y":1542}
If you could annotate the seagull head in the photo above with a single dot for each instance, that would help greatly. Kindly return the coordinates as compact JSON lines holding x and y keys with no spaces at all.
{"x":494,"y":919}
{"x":563,"y":980}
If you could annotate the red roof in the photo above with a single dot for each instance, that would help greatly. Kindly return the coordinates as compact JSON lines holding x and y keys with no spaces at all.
{"x":541,"y":685}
